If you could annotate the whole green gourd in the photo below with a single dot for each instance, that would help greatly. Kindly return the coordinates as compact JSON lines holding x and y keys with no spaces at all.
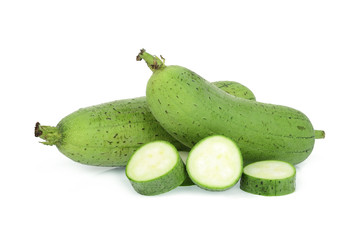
{"x":108,"y":134}
{"x":191,"y":108}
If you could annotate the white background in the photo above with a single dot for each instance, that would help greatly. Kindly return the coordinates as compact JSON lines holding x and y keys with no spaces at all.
{"x":58,"y":56}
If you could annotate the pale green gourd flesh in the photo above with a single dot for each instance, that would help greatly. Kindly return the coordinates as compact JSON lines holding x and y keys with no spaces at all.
{"x":155,"y":168}
{"x":215,"y":163}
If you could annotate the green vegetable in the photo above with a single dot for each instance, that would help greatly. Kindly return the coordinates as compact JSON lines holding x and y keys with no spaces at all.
{"x":190,"y":109}
{"x":107,"y":134}
{"x":268,"y":178}
{"x":215,"y":163}
{"x":155,"y":168}
{"x":236,"y":89}
{"x":187,"y":182}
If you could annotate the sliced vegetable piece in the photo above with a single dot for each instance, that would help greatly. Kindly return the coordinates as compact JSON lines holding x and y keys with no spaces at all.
{"x":155,"y":168}
{"x":268,"y":178}
{"x":187,"y":182}
{"x":215,"y":163}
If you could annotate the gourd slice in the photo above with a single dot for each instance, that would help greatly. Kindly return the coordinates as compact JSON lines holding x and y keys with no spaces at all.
{"x":215,"y":163}
{"x":269,"y":178}
{"x":155,"y":168}
{"x":187,"y":182}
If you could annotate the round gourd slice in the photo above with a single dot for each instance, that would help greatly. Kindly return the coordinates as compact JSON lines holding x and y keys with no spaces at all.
{"x":268,"y":178}
{"x":215,"y":163}
{"x":155,"y":168}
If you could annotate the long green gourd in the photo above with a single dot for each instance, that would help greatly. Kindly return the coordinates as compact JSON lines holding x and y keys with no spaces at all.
{"x":190,"y":109}
{"x":108,"y":134}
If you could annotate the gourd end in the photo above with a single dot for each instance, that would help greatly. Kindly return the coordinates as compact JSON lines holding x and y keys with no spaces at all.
{"x":138,"y":57}
{"x":38,"y":132}
{"x":51,"y":135}
{"x":153,"y":62}
{"x":319,"y":134}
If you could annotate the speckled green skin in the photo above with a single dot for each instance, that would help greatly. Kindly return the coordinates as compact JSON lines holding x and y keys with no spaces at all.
{"x":162,"y":184}
{"x":268,"y":187}
{"x":108,"y":134}
{"x":190,"y":109}
{"x":236,"y":89}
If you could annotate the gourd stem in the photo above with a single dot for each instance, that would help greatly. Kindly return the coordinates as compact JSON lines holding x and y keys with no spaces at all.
{"x":51,"y":135}
{"x":153,"y":62}
{"x":319,"y":134}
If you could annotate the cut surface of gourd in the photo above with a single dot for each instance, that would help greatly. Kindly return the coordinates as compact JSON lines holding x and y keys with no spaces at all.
{"x":269,"y":178}
{"x":155,"y":168}
{"x":215,"y":163}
